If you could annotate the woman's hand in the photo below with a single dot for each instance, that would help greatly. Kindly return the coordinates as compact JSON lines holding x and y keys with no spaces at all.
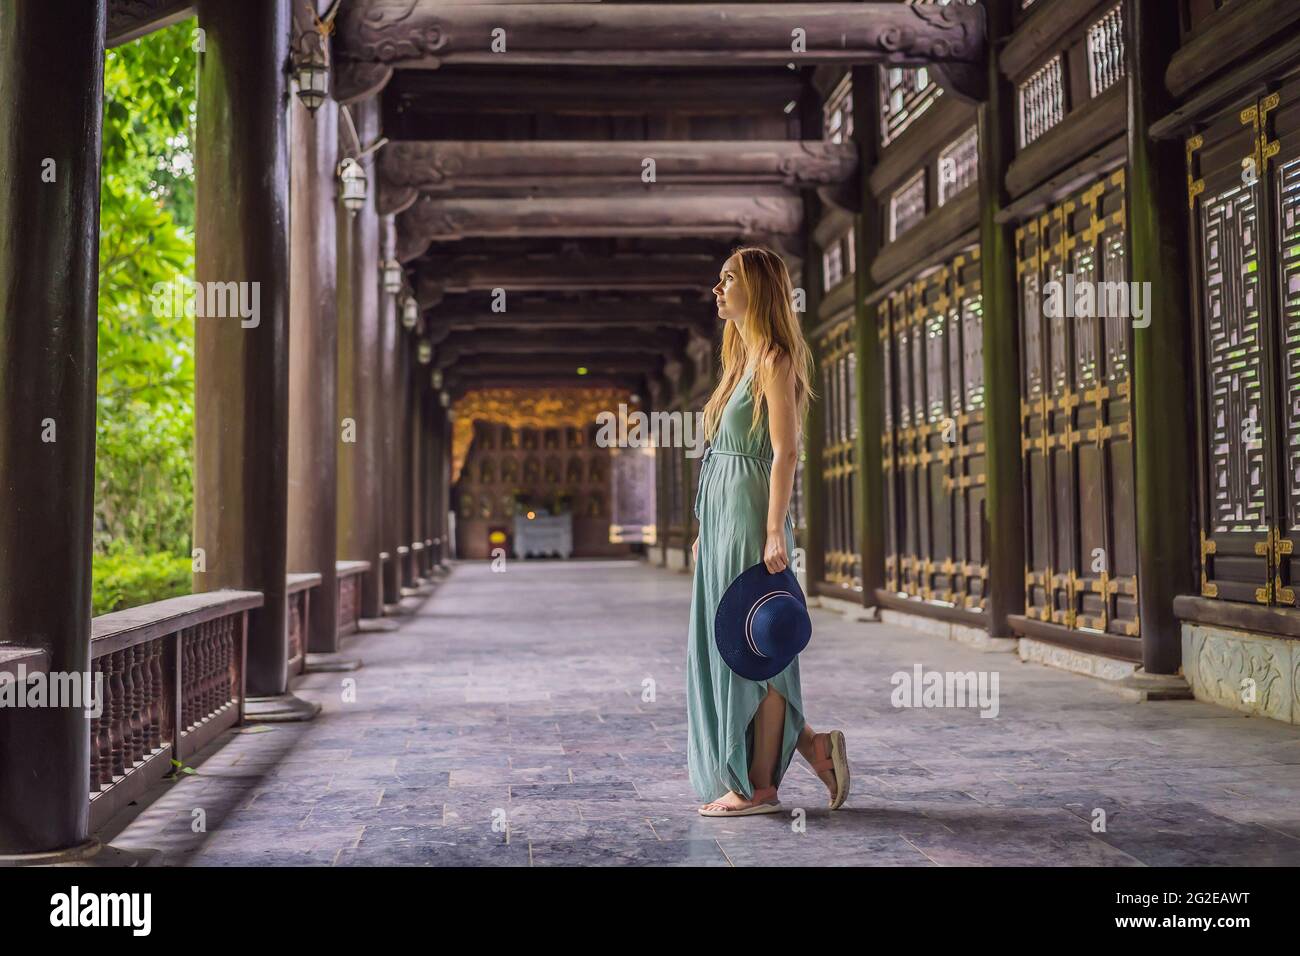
{"x":775,"y":557}
{"x":695,"y":549}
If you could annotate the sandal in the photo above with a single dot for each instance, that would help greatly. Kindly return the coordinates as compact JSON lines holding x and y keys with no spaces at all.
{"x":836,"y":760}
{"x":764,"y":801}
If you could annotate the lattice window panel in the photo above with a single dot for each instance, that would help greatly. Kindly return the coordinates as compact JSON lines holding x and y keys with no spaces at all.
{"x":832,"y":266}
{"x":905,"y":93}
{"x":843,"y":559}
{"x":1042,"y":100}
{"x":1106,"y":50}
{"x":1244,"y":187}
{"x":1076,"y":442}
{"x":907,"y":205}
{"x":1234,"y":353}
{"x":959,"y":165}
{"x":933,"y":447}
{"x":838,"y":113}
{"x":1288,"y":191}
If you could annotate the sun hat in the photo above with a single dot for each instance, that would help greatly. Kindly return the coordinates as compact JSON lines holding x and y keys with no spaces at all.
{"x":762,"y":622}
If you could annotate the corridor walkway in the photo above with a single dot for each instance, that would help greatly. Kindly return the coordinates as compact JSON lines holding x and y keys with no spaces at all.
{"x":504,"y":724}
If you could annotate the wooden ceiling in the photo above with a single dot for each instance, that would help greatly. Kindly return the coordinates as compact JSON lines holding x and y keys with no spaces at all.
{"x":597,"y":161}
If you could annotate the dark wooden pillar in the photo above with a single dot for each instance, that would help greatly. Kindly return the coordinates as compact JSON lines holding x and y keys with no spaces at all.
{"x":241,"y":421}
{"x":1004,"y":533}
{"x":360,"y":425}
{"x":313,"y":361}
{"x":870,"y":379}
{"x":1163,"y":421}
{"x":391,"y":340}
{"x":51,"y":87}
{"x":404,"y":455}
{"x":418,"y":461}
{"x":443,"y":430}
{"x":815,"y":435}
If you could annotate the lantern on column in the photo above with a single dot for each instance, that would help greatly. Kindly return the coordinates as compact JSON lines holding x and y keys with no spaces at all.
{"x":352,"y":180}
{"x":444,"y":399}
{"x":311,"y":67}
{"x":410,"y":312}
{"x":424,"y":352}
{"x":392,"y":270}
{"x":436,"y":379}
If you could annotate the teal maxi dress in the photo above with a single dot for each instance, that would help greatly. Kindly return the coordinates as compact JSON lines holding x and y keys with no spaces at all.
{"x":731,"y":505}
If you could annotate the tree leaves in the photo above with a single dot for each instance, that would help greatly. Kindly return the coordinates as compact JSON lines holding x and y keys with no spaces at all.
{"x":145,"y":396}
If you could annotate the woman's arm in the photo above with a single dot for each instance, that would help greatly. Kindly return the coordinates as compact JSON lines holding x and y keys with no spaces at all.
{"x":785,"y":458}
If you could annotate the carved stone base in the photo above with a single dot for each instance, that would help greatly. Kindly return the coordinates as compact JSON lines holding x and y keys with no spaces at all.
{"x":851,"y":610}
{"x":282,"y":708}
{"x":331,"y":663}
{"x":974,"y":637}
{"x":1125,"y":678}
{"x":1252,"y":673}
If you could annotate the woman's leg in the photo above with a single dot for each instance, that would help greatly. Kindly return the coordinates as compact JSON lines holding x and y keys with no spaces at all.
{"x":769,"y":728}
{"x":806,"y":750}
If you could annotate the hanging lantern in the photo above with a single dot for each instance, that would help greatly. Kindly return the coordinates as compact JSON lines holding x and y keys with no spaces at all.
{"x":410,"y":312}
{"x":311,"y":69}
{"x":436,"y":379}
{"x":424,"y":352}
{"x":444,"y":399}
{"x":392,"y":270}
{"x":352,"y":178}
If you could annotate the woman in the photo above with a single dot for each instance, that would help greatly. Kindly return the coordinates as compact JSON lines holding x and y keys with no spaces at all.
{"x":741,"y":734}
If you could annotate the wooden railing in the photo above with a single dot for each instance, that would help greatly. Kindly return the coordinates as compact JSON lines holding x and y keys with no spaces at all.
{"x":349,"y":600}
{"x":298,"y":588}
{"x":173,"y":679}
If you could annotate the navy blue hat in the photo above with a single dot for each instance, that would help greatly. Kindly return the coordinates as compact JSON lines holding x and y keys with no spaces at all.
{"x":762,"y":622}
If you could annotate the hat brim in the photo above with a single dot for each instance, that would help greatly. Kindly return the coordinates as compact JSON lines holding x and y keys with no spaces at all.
{"x":729,"y":621}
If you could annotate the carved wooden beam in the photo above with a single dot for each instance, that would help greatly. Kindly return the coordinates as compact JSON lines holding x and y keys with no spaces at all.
{"x":461,"y":344}
{"x":577,"y":273}
{"x":442,"y":166}
{"x":503,"y":88}
{"x":457,"y":385}
{"x":750,"y":214}
{"x":429,"y":33}
{"x":352,"y":80}
{"x":532,"y":312}
{"x":128,"y":20}
{"x":557,"y":363}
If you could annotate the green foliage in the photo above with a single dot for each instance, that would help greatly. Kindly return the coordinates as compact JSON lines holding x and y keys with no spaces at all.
{"x":144,"y":451}
{"x":126,"y":578}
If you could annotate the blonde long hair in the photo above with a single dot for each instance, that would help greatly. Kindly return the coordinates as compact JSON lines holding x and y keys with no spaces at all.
{"x":771,"y":323}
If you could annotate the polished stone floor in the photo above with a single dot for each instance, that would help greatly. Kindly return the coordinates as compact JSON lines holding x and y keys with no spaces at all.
{"x":536,"y":716}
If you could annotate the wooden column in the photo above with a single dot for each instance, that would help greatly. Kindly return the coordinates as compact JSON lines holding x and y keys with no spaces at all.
{"x":241,"y":421}
{"x":313,"y":364}
{"x":416,"y":459}
{"x":442,"y":429}
{"x":51,"y":87}
{"x":405,"y":455}
{"x":1004,"y":534}
{"x":437,"y":519}
{"x":391,"y":337}
{"x":870,"y":379}
{"x":360,"y":425}
{"x":815,"y":436}
{"x":1163,"y":420}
